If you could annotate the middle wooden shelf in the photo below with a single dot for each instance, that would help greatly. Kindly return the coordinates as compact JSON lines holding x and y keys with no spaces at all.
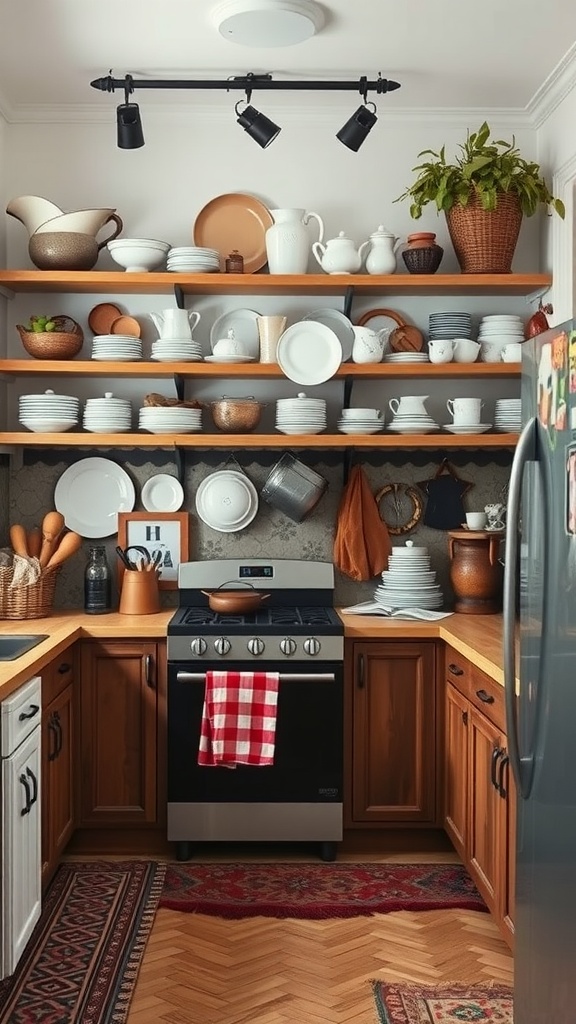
{"x":255,"y":441}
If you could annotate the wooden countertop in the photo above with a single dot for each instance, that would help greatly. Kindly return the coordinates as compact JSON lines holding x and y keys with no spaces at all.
{"x":477,"y":637}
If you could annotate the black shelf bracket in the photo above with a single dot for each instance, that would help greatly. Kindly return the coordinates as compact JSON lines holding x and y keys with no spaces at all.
{"x":348,"y":385}
{"x":179,"y":296}
{"x":347,"y":465}
{"x":179,"y":456}
{"x":179,"y":384}
{"x":348,"y":299}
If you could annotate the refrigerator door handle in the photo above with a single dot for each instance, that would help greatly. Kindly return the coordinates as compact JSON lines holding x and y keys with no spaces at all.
{"x":525,"y":452}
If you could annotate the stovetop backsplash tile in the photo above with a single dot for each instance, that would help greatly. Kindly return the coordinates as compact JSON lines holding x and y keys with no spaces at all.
{"x":271,"y":534}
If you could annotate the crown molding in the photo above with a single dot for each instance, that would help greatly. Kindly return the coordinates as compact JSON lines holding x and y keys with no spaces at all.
{"x":560,"y":82}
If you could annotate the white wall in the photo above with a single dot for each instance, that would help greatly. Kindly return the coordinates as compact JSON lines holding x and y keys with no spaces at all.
{"x":557,"y":151}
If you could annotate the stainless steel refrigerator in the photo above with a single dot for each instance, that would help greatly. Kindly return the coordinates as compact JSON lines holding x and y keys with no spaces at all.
{"x":540,"y":680}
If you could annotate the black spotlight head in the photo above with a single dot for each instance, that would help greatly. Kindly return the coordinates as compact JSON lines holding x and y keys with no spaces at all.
{"x":353,"y":133}
{"x":130,"y":134}
{"x":259,"y":127}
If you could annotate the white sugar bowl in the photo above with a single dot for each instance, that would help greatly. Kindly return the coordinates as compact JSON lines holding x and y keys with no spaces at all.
{"x":229,"y":346}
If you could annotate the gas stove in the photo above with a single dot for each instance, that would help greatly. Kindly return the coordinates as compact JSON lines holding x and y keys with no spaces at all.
{"x":298,"y":620}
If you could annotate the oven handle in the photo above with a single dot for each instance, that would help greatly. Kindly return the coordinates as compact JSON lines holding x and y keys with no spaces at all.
{"x":285,"y":677}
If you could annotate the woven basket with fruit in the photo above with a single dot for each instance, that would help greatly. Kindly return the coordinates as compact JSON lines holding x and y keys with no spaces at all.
{"x":51,"y":337}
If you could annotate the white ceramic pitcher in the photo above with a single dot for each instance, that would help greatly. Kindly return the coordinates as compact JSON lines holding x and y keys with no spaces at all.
{"x":409,"y":405}
{"x":175,"y":323}
{"x":288,"y":242}
{"x":368,"y":345}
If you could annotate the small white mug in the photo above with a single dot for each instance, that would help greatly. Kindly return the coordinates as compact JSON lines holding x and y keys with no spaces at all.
{"x":440,"y":350}
{"x":465,"y":411}
{"x":476,"y":520}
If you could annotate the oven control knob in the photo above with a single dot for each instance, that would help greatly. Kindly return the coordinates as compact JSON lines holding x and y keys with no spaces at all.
{"x":256,"y":645}
{"x":222,"y":645}
{"x":312,"y":645}
{"x":198,"y":645}
{"x":288,"y":645}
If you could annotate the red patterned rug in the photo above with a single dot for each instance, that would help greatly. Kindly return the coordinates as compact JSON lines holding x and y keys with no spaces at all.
{"x":316,"y":890}
{"x":81,"y":963}
{"x":443,"y":1004}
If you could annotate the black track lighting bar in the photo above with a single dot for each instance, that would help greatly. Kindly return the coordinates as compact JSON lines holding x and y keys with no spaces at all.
{"x":249,"y":82}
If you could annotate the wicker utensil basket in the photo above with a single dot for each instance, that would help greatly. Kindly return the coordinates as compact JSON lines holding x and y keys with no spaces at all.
{"x":63,"y":343}
{"x":485,"y":240}
{"x":27,"y":602}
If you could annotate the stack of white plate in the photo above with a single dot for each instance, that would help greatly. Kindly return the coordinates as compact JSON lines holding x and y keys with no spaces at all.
{"x":301,"y":415}
{"x":496,"y":327}
{"x":449,"y":325}
{"x":123,"y":348}
{"x":48,"y":413}
{"x":508,"y":417}
{"x":193,"y":259}
{"x":409,"y":581}
{"x":406,"y":357}
{"x":360,"y":421}
{"x":170,"y":419}
{"x":107,"y":415}
{"x":177,"y":350}
{"x":413,"y":423}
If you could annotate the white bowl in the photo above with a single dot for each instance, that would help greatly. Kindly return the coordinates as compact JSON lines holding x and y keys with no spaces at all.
{"x":465,"y":350}
{"x":48,"y":426}
{"x":138,"y":255}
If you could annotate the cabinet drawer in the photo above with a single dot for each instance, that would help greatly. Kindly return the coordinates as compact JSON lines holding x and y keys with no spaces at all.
{"x":488,"y":697}
{"x":457,"y":670}
{"x":57,"y":675}
{"x":20,"y":713}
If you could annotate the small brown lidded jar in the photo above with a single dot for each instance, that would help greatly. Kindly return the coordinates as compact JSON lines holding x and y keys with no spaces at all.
{"x":421,"y":240}
{"x":234,"y":263}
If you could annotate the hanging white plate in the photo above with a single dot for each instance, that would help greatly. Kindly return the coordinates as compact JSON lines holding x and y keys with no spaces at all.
{"x":309,"y":352}
{"x":227,"y":501}
{"x":91,"y":493}
{"x":162,"y":493}
{"x":244,"y":324}
{"x":338,"y":323}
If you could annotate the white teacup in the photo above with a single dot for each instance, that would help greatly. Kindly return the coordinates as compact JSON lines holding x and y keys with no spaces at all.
{"x":512,"y":353}
{"x":465,"y":350}
{"x":360,"y":414}
{"x":491,"y":351}
{"x":440,"y":350}
{"x":476,"y":520}
{"x":465,"y":410}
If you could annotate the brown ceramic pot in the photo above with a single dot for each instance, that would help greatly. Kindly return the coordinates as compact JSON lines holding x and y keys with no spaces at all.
{"x":421,"y":240}
{"x":63,"y":250}
{"x":476,"y":571}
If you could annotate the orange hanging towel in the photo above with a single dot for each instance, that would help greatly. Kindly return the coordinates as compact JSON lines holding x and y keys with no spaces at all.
{"x":362,"y":542}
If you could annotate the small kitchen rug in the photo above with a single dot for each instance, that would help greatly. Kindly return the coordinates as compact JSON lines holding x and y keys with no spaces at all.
{"x":443,"y":1004}
{"x":314,"y":891}
{"x":82,"y":961}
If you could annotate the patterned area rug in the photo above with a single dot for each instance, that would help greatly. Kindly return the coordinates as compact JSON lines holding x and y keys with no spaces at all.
{"x":443,"y":1004}
{"x":81,"y":963}
{"x":316,"y":890}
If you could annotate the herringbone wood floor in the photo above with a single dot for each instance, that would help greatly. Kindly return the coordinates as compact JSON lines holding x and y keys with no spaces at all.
{"x":205,"y":970}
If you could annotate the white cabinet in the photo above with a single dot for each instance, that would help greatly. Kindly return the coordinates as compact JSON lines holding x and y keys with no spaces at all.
{"x":21,"y":822}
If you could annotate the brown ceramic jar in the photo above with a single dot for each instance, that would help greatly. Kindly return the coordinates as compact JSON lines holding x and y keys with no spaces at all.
{"x":476,"y":572}
{"x":421,"y":240}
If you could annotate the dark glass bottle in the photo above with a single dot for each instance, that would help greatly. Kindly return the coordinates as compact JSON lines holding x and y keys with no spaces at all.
{"x":97,"y":583}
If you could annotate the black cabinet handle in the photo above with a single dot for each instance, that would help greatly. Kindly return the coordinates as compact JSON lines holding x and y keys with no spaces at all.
{"x":360,"y":671}
{"x":503,"y":764}
{"x":34,"y":796}
{"x":149,"y":670}
{"x":58,"y":725}
{"x":464,"y":718}
{"x":64,"y":667}
{"x":486,"y":698}
{"x":496,"y":754}
{"x":34,"y":709}
{"x":52,"y":731}
{"x":455,"y":670}
{"x":24,"y":781}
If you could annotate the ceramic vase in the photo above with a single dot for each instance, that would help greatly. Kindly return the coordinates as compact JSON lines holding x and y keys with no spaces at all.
{"x":288,"y":241}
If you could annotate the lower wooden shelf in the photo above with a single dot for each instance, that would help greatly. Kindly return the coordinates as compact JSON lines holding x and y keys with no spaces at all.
{"x":284,"y":441}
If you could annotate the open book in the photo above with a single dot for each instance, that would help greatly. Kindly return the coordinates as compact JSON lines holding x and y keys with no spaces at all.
{"x":373,"y":608}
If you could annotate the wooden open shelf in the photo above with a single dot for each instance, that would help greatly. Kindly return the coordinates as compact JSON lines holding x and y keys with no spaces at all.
{"x":284,"y":441}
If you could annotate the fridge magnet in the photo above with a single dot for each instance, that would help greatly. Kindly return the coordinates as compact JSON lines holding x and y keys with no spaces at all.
{"x":164,"y":535}
{"x":445,"y":491}
{"x":545,"y":385}
{"x":559,"y":380}
{"x":572,"y":363}
{"x":571,"y":490}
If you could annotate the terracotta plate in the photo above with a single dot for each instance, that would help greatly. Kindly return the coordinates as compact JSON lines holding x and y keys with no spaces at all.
{"x":235,"y":221}
{"x":126,"y":325}
{"x":102,"y":316}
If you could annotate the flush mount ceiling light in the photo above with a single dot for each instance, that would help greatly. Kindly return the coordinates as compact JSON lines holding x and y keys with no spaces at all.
{"x":263,"y":23}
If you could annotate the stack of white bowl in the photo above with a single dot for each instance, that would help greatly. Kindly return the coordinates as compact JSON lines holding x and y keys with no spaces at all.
{"x":170,"y":419}
{"x":508,"y":417}
{"x":409,"y":581}
{"x":193,"y":259}
{"x":360,"y":421}
{"x":48,"y":413}
{"x":178,"y":350}
{"x":107,"y":415}
{"x":449,"y":325}
{"x":123,"y":348}
{"x":495,"y":332}
{"x":301,"y":415}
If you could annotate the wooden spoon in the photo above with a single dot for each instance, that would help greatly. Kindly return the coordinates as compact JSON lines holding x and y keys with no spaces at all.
{"x":52,"y":526}
{"x":18,"y":540}
{"x":70,"y":543}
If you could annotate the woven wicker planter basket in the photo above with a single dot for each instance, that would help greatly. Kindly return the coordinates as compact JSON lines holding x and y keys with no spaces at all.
{"x":485,"y":240}
{"x":22,"y":602}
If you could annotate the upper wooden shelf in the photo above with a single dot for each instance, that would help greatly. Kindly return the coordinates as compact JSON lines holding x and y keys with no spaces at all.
{"x":254,"y":371}
{"x":97,"y":281}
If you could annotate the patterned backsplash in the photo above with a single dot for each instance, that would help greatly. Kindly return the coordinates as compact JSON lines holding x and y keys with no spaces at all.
{"x":29,"y":491}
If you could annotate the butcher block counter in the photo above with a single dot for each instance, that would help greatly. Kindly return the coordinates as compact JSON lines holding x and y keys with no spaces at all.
{"x":476,"y":637}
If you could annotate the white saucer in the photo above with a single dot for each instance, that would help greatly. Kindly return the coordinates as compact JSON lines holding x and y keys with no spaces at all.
{"x":229,"y":359}
{"x":467,"y":428}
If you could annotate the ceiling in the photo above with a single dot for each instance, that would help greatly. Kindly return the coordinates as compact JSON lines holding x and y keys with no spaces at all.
{"x":447,"y":55}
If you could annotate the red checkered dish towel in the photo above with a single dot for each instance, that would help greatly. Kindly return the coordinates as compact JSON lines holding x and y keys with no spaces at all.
{"x":238,"y":719}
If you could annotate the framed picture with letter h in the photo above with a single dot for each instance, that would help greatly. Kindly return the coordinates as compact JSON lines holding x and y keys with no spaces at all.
{"x":165,"y":535}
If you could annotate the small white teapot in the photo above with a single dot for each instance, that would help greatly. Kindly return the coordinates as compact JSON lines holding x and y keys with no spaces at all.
{"x":338,"y":256}
{"x":381,"y":259}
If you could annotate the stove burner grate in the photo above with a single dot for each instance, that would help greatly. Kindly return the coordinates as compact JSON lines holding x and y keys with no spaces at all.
{"x":316,"y":617}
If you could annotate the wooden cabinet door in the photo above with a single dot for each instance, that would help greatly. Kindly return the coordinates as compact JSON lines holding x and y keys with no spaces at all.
{"x":486,"y":836}
{"x":118,"y":733}
{"x":57,"y":780}
{"x":393,"y":732}
{"x":456,"y":768}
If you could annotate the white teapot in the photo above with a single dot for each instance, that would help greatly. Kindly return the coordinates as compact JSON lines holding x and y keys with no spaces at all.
{"x":382,"y":244}
{"x":338,"y":256}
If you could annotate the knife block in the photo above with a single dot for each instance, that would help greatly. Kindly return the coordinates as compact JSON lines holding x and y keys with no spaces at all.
{"x":139,"y":594}
{"x":476,"y":572}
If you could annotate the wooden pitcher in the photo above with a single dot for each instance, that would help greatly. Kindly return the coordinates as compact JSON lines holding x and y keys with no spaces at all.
{"x":476,"y":572}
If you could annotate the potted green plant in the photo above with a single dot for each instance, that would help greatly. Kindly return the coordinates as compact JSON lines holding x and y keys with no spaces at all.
{"x":484,"y":194}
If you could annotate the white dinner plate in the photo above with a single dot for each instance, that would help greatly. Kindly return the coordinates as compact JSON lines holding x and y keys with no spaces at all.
{"x":244,"y":323}
{"x":338,"y":323}
{"x":309,"y":352}
{"x":91,"y":493}
{"x":227,"y":501}
{"x":162,"y":493}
